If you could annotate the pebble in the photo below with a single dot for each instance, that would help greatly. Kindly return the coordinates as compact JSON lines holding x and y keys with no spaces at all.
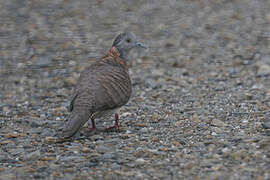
{"x":108,"y":155}
{"x":47,"y":158}
{"x":43,"y":61}
{"x":150,"y":83}
{"x":102,"y":149}
{"x":70,"y":158}
{"x":50,"y":140}
{"x":144,"y":130}
{"x":14,"y":135}
{"x":266,"y":121}
{"x":218,"y":123}
{"x":86,"y":150}
{"x":91,"y":164}
{"x":32,"y":156}
{"x":140,"y":161}
{"x":47,"y":132}
{"x":71,"y":81}
{"x":263,"y":69}
{"x":3,"y":157}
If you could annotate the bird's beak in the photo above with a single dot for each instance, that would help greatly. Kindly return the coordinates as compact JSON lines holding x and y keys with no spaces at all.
{"x":140,"y":45}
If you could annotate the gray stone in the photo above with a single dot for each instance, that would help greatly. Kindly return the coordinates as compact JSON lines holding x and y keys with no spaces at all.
{"x":108,"y":155}
{"x":44,"y":61}
{"x":263,"y":69}
{"x":150,"y":83}
{"x":33,"y":156}
{"x":218,"y":123}
{"x":266,"y":121}
{"x":102,"y":149}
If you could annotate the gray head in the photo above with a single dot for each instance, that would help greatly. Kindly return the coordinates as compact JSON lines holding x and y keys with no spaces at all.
{"x":124,"y":42}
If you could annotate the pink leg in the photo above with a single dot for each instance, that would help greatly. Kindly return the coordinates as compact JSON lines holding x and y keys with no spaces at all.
{"x":116,"y":122}
{"x":93,"y":125}
{"x":116,"y":126}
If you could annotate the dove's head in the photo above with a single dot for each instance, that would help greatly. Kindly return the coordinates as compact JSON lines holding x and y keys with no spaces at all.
{"x":124,"y":42}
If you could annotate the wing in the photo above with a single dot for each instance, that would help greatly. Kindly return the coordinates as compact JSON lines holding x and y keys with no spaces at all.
{"x":71,"y":105}
{"x":102,"y":87}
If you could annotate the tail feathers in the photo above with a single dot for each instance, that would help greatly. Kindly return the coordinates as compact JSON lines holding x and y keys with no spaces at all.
{"x":74,"y":122}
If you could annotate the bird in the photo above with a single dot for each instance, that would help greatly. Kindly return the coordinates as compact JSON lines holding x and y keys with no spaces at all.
{"x":103,"y":87}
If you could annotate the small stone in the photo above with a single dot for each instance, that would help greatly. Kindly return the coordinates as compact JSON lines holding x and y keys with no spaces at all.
{"x":70,"y":80}
{"x":128,"y":132}
{"x":102,"y":149}
{"x":8,"y":176}
{"x":264,"y":143}
{"x":144,"y":130}
{"x":69,"y":170}
{"x":47,"y":132}
{"x":154,"y":117}
{"x":140,"y":125}
{"x":124,"y":136}
{"x":263,"y":69}
{"x":108,"y":155}
{"x":14,"y":135}
{"x":16,"y":151}
{"x":2,"y":169}
{"x":140,"y":161}
{"x":50,"y":139}
{"x":239,"y":155}
{"x":217,"y":130}
{"x":43,"y":61}
{"x":217,"y":167}
{"x":56,"y":174}
{"x":71,"y":158}
{"x":150,"y":83}
{"x":33,"y":156}
{"x":126,"y":114}
{"x":86,"y":150}
{"x":218,"y":123}
{"x":6,"y":142}
{"x":249,"y":96}
{"x":175,"y":143}
{"x":3,"y":157}
{"x":30,"y":169}
{"x":189,"y":165}
{"x":47,"y":158}
{"x":155,"y":139}
{"x":266,"y":122}
{"x":116,"y":166}
{"x":91,"y":164}
{"x":6,"y":109}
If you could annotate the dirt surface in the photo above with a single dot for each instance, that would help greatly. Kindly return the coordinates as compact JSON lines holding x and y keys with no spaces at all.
{"x":200,"y":107}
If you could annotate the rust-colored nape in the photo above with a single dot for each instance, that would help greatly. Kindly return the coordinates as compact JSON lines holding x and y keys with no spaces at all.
{"x":114,"y":54}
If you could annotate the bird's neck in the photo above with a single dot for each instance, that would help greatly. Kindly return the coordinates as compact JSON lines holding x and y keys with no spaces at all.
{"x":113,"y":52}
{"x":116,"y":55}
{"x":122,"y":53}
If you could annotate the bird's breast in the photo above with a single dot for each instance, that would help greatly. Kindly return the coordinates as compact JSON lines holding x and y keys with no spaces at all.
{"x":116,"y":87}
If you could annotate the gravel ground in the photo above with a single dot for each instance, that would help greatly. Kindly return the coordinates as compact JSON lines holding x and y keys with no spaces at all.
{"x":200,"y":107}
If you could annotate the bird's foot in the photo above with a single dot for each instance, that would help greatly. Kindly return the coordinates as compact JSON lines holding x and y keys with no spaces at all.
{"x":92,"y":129}
{"x":113,"y":128}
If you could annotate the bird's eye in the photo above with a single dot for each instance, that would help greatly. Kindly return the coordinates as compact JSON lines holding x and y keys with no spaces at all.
{"x":128,"y":40}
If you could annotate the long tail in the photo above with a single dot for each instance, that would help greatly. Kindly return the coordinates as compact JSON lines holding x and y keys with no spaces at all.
{"x":74,"y":122}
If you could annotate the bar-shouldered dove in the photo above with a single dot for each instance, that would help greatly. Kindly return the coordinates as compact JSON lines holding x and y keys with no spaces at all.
{"x":103,"y":87}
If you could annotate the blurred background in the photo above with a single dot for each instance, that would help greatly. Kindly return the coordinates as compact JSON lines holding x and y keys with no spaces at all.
{"x":200,"y":94}
{"x":44,"y":45}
